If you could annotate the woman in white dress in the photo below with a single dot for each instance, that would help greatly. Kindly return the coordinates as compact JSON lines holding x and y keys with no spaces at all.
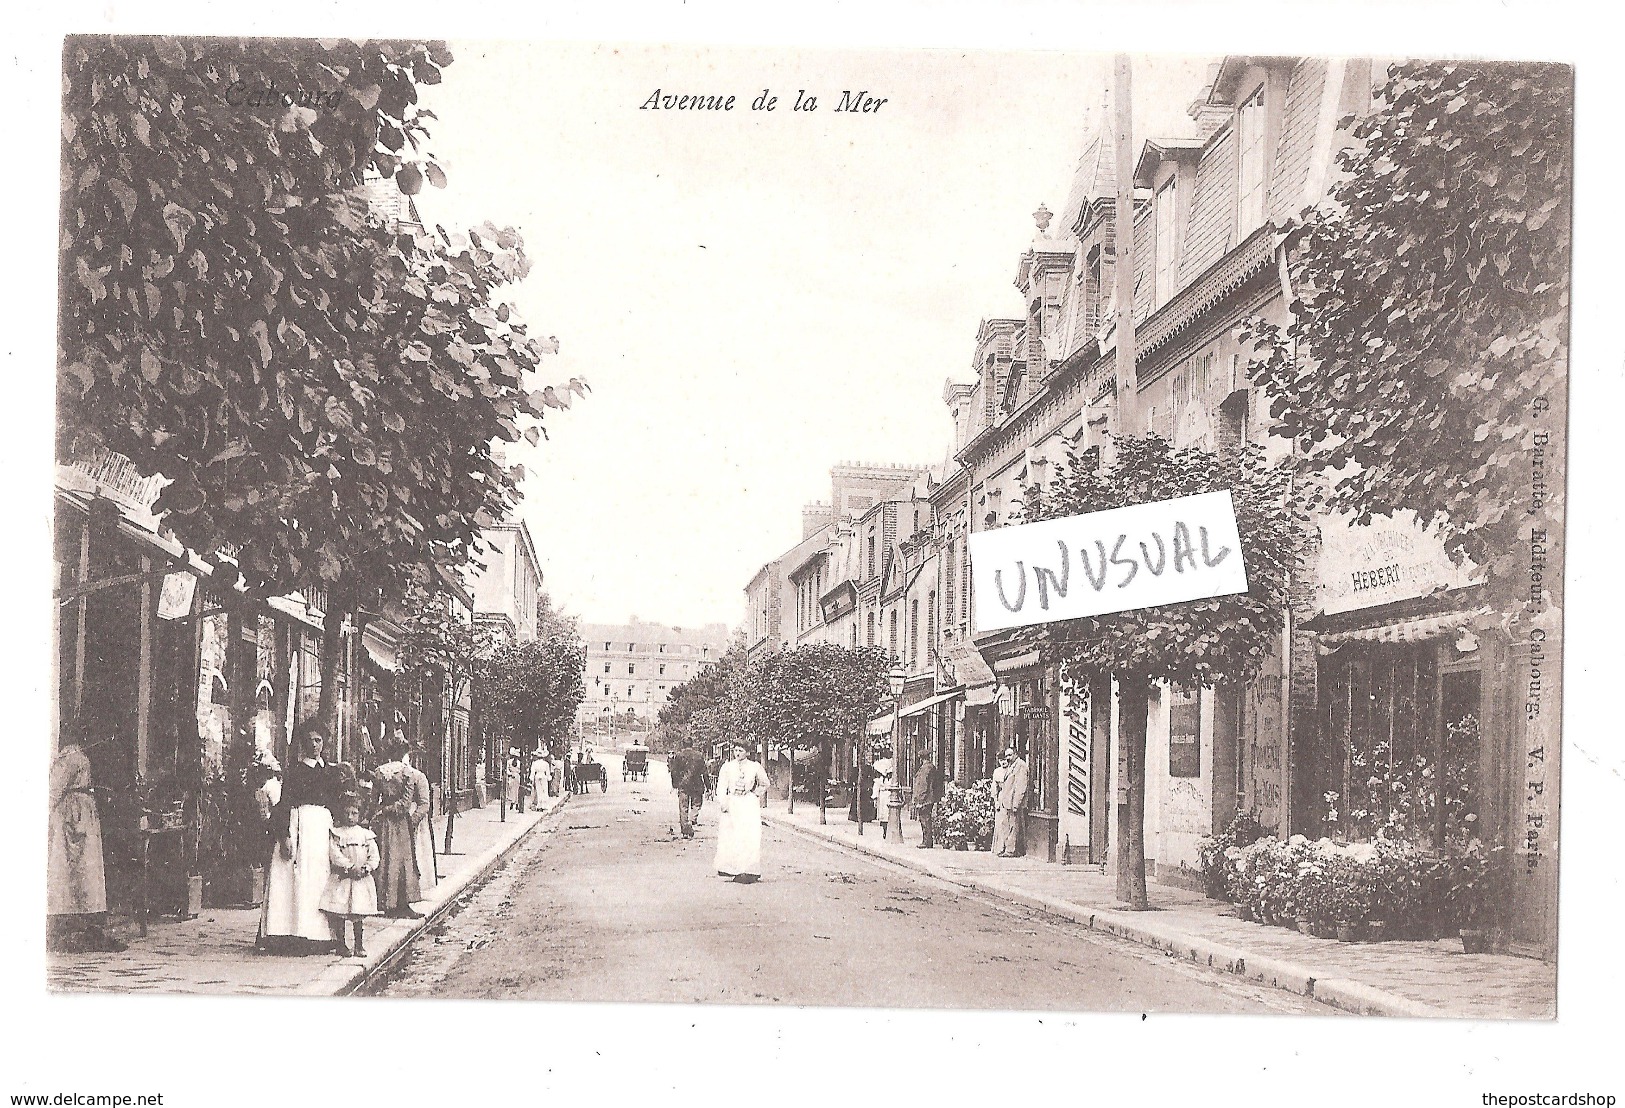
{"x":741,"y":787}
{"x":291,"y":920}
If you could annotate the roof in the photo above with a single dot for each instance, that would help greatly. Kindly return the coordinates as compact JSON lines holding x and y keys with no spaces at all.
{"x":1157,"y":150}
{"x":1095,"y":178}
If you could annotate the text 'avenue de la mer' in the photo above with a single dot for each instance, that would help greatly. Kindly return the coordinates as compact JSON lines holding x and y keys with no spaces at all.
{"x":860,"y":102}
{"x":1164,"y":552}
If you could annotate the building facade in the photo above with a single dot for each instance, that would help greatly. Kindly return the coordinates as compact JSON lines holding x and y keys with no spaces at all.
{"x":1376,"y":676}
{"x":633,"y":667}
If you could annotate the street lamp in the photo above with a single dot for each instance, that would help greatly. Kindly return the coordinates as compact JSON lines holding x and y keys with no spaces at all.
{"x":896,"y":678}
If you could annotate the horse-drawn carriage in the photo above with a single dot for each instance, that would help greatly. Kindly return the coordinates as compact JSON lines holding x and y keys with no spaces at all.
{"x":635,"y":764}
{"x":579,"y":775}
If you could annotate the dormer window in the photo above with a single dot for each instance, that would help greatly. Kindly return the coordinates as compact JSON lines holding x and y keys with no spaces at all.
{"x":1250,"y":154}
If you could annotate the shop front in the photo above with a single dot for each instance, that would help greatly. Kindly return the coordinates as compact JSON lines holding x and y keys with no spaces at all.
{"x":1424,"y":724}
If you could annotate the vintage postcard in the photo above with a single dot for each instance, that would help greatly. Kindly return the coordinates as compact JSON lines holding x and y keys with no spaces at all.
{"x":679,"y":524}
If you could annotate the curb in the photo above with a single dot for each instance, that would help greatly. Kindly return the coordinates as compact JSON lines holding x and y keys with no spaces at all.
{"x":349,"y":977}
{"x":1349,"y":996}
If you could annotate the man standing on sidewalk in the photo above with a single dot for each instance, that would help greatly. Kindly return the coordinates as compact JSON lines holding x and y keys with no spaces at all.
{"x":927,"y":791}
{"x":687,"y":769}
{"x":1012,"y":805}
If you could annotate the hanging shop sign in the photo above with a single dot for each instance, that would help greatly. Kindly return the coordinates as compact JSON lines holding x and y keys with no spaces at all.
{"x":1163,"y":552}
{"x":1391,"y":558}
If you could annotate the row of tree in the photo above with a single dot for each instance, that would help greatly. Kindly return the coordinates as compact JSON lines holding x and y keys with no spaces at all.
{"x":324,"y":389}
{"x":811,"y":698}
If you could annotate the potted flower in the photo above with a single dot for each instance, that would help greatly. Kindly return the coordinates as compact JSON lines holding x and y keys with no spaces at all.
{"x":979,"y":814}
{"x":1471,"y":875}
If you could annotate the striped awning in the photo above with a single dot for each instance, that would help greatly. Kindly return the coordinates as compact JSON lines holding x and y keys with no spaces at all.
{"x":880,"y":725}
{"x":1414,"y":629}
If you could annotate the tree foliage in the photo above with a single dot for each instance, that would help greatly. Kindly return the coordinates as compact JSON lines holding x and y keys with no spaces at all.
{"x":708,"y":708}
{"x":1428,"y":346}
{"x":529,"y":691}
{"x":434,"y":637}
{"x":817,"y":694}
{"x":554,"y":622}
{"x":320,"y":386}
{"x":1220,"y":640}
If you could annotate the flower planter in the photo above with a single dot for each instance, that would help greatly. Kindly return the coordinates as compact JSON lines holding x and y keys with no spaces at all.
{"x":1474,"y":940}
{"x":1377,"y":931}
{"x":1348,"y":932}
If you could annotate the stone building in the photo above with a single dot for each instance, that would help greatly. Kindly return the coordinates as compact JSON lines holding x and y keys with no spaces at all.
{"x":633,"y":667}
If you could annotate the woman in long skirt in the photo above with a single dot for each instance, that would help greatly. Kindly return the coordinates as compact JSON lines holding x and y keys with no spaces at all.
{"x":741,"y":787}
{"x":291,"y":920}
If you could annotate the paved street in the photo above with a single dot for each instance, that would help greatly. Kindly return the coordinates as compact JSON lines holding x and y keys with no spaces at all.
{"x":608,"y":904}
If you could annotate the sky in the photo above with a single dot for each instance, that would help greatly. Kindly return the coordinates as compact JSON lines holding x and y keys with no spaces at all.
{"x":753,"y":296}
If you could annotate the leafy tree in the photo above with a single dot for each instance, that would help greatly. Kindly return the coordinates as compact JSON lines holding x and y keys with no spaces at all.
{"x":529,"y":692}
{"x":321,"y":388}
{"x":818,"y":694}
{"x":1428,"y":346}
{"x":708,"y":707}
{"x":1221,"y":640}
{"x":553,"y":622}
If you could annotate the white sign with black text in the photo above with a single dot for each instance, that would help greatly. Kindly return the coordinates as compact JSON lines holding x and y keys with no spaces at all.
{"x":1164,"y":552}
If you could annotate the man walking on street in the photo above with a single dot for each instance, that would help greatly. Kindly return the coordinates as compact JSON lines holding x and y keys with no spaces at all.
{"x":927,"y":791}
{"x":687,"y":769}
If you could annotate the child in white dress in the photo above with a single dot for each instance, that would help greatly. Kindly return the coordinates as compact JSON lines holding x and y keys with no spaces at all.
{"x":350,"y":893}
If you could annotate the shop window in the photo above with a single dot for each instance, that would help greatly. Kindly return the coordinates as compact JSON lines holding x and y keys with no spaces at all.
{"x":1400,"y":745}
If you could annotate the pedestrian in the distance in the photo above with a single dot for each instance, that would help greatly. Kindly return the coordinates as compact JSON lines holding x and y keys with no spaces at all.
{"x":927,"y":791}
{"x":1011,"y":803}
{"x":513,"y":780}
{"x":687,"y":769}
{"x":741,"y":786}
{"x":353,"y":858}
{"x":541,"y":772}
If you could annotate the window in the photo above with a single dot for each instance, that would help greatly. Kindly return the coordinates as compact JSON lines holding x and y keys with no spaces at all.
{"x":892,"y":642}
{"x":631,"y":646}
{"x":606,"y":646}
{"x":948,"y":573}
{"x":662,"y":670}
{"x":964,"y":575}
{"x":1094,"y":298}
{"x":930,"y":621}
{"x":630,"y":692}
{"x":631,"y":669}
{"x":871,"y":554}
{"x":913,"y":633}
{"x":1163,"y":286}
{"x":869,"y":633}
{"x":1250,"y":155}
{"x":606,"y":667}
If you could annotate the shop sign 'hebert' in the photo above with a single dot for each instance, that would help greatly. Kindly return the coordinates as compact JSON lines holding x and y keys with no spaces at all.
{"x":1164,"y":552}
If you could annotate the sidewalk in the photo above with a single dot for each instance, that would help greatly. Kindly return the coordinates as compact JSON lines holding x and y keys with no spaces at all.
{"x":214,"y":953}
{"x":1389,"y":978}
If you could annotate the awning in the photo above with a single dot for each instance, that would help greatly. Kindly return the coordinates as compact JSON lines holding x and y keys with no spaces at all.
{"x":931,"y":702}
{"x":881,"y":725}
{"x":1020,"y":661}
{"x":981,"y":694}
{"x":1414,"y":629}
{"x":379,"y":649}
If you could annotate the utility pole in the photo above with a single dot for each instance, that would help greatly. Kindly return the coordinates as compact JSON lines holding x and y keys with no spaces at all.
{"x":1131,"y":786}
{"x":1128,"y":400}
